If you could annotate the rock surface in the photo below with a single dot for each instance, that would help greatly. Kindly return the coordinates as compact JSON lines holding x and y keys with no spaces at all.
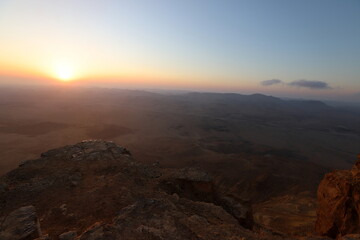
{"x":339,"y":203}
{"x":96,"y":190}
{"x":71,"y":235}
{"x":170,"y":218}
{"x":21,"y":224}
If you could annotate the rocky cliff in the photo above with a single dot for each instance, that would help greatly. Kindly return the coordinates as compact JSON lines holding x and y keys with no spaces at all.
{"x":96,"y":190}
{"x":338,"y":195}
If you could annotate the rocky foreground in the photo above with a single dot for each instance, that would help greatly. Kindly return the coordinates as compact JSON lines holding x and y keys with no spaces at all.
{"x":95,"y":190}
{"x":339,"y":203}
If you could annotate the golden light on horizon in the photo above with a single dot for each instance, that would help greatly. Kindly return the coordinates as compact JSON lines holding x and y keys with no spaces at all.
{"x":64,"y":72}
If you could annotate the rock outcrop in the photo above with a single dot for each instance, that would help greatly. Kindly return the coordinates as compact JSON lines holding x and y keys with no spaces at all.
{"x":338,"y":195}
{"x":96,"y":190}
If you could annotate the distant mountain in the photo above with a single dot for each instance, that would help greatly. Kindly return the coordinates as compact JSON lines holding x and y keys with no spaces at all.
{"x":231,"y":97}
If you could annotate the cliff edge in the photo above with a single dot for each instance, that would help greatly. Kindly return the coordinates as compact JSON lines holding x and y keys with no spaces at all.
{"x":339,"y":203}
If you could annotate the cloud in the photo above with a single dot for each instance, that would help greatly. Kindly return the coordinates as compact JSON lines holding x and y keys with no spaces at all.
{"x":310,"y":84}
{"x":271,"y":82}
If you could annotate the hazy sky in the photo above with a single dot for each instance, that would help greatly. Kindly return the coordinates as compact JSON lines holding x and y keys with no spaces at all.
{"x":285,"y":47}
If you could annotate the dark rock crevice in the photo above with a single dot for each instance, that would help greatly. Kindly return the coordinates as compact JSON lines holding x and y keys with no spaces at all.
{"x":196,"y":185}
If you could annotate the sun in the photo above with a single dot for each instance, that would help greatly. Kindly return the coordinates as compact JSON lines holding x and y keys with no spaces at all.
{"x":64,"y":72}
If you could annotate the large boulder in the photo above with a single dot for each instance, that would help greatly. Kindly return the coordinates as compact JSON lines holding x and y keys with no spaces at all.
{"x":21,"y":224}
{"x":339,"y":203}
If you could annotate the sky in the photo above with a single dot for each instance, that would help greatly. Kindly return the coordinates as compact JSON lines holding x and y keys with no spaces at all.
{"x":299,"y":48}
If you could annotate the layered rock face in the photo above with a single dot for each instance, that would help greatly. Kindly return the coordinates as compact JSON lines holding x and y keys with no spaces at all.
{"x":96,"y":190}
{"x":338,"y":195}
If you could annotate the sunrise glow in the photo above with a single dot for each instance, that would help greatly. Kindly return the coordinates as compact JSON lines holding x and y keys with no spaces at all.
{"x":63,"y":72}
{"x":219,"y":48}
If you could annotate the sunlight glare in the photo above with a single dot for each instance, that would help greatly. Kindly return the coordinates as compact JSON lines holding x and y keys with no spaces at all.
{"x":64,"y":72}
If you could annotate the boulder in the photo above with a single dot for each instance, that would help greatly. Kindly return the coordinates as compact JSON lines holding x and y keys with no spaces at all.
{"x":339,"y":203}
{"x":21,"y":224}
